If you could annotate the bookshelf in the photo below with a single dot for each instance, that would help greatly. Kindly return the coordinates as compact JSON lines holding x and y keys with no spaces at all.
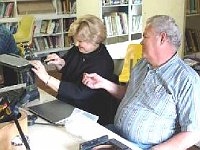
{"x":123,"y":18}
{"x":53,"y":18}
{"x":149,"y":8}
{"x":192,"y":29}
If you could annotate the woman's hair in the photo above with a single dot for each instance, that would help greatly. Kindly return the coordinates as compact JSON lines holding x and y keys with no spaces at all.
{"x":164,"y":23}
{"x":88,"y":28}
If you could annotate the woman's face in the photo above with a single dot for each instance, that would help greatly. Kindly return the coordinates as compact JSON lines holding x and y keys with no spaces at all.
{"x":85,"y":46}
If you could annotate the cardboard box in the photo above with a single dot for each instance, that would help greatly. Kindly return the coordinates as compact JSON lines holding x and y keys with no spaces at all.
{"x":35,"y":7}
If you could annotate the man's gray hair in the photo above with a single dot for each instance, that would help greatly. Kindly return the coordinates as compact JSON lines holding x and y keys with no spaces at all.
{"x":164,"y":23}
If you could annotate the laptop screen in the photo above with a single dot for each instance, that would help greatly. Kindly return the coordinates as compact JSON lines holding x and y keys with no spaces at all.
{"x":53,"y":111}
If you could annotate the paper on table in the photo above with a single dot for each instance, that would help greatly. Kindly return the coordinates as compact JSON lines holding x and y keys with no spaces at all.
{"x":79,"y":122}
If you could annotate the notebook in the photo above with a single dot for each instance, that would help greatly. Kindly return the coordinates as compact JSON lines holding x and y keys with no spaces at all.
{"x":52,"y":111}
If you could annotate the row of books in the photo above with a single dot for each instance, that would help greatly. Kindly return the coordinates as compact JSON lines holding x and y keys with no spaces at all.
{"x":114,"y":2}
{"x":47,"y":42}
{"x":66,"y":6}
{"x":6,"y":9}
{"x":67,"y":41}
{"x":11,"y":26}
{"x":136,"y":1}
{"x":192,"y":7}
{"x":47,"y":26}
{"x":192,"y":37}
{"x":137,"y":24}
{"x":67,"y":22}
{"x":116,"y":23}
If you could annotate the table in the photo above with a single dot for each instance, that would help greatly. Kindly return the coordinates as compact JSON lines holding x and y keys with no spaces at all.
{"x":48,"y":137}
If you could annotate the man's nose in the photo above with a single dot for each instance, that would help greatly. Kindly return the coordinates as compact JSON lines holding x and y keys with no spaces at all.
{"x":141,"y":42}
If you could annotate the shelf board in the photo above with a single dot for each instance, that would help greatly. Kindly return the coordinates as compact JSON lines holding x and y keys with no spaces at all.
{"x":8,"y":20}
{"x":7,"y":1}
{"x":136,"y":4}
{"x":192,"y":15}
{"x":43,"y":34}
{"x":117,"y":35}
{"x":52,"y":50}
{"x":117,"y":5}
{"x":50,"y":16}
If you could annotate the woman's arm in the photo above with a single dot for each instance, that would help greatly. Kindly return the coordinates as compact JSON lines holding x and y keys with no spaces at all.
{"x":40,"y":71}
{"x":95,"y":81}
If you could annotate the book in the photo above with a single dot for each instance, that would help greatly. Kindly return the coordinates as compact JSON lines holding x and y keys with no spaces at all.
{"x":41,"y":43}
{"x":72,"y":7}
{"x":64,"y":9}
{"x":198,"y":38}
{"x":46,"y":43}
{"x":114,"y":23}
{"x":49,"y":40}
{"x":59,"y":6}
{"x":66,"y":23}
{"x":36,"y":44}
{"x":194,"y":38}
{"x":190,"y":40}
{"x":35,"y":7}
{"x":57,"y":27}
{"x":51,"y":26}
{"x":188,"y":37}
{"x":57,"y":41}
{"x":2,"y":10}
{"x":67,"y":6}
{"x":9,"y":10}
{"x":44,"y":26}
{"x":108,"y":25}
{"x":38,"y":24}
{"x":124,"y":22}
{"x":66,"y":41}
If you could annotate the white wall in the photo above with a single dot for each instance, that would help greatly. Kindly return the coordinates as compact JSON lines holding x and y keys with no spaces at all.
{"x":173,"y":8}
{"x":88,"y":7}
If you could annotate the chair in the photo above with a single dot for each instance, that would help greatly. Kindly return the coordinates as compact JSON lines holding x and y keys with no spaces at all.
{"x":133,"y":54}
{"x":24,"y":35}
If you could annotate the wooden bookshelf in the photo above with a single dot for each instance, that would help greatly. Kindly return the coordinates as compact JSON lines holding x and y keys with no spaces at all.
{"x":192,"y":29}
{"x":123,"y":18}
{"x":133,"y":8}
{"x":53,"y":18}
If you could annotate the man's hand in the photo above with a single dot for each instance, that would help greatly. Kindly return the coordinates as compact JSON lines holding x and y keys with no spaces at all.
{"x":93,"y":80}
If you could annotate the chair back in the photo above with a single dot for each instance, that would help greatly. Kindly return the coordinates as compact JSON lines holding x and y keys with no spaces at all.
{"x":25,"y":29}
{"x":133,"y":54}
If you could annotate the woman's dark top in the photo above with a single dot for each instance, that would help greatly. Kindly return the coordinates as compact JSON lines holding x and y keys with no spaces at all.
{"x":73,"y":91}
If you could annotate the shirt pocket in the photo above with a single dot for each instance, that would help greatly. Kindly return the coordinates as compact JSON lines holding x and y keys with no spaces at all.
{"x":160,"y":101}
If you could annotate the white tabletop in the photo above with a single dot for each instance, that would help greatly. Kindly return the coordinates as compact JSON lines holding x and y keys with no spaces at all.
{"x":49,"y":137}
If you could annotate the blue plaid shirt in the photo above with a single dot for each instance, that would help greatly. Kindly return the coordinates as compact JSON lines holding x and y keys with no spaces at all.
{"x":159,"y":103}
{"x":7,"y":41}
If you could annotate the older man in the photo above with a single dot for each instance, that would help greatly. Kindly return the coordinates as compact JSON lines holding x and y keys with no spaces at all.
{"x":160,"y":106}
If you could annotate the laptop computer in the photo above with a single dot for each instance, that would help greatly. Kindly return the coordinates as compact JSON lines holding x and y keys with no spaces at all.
{"x":52,"y":111}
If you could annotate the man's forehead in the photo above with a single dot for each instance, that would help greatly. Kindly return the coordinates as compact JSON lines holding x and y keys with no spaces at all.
{"x":149,"y":30}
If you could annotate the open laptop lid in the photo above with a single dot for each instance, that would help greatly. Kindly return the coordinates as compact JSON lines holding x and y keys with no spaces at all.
{"x":52,"y":111}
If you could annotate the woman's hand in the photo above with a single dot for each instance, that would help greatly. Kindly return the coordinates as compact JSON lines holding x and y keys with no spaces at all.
{"x":56,"y":60}
{"x":39,"y":70}
{"x":93,"y":80}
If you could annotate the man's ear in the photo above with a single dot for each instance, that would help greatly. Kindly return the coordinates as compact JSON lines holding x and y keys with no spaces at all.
{"x":163,"y":38}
